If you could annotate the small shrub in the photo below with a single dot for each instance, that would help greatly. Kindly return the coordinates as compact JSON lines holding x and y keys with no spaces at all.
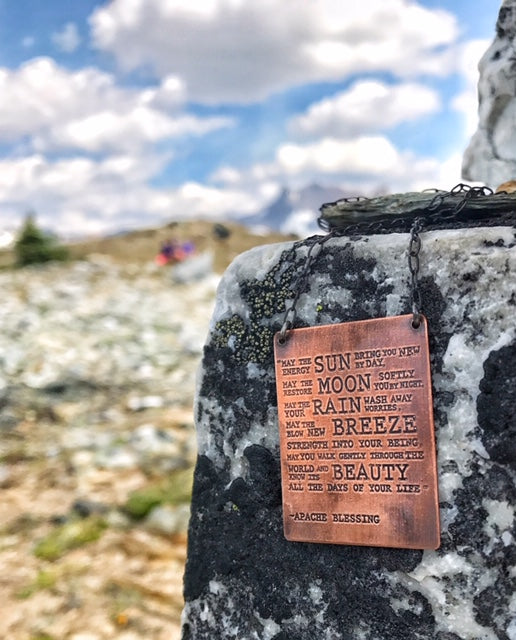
{"x":33,"y":246}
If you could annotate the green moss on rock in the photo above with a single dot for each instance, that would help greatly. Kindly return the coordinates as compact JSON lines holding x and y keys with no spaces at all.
{"x":174,"y":490}
{"x":69,"y":536}
{"x":251,"y":340}
{"x":44,"y":580}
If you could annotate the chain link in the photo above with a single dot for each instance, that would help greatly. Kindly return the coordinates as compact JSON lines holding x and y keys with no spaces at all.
{"x":301,"y":282}
{"x":413,"y":264}
{"x":445,"y":199}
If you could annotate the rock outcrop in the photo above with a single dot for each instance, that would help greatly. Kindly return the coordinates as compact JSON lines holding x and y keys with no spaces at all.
{"x":491,"y":154}
{"x":243,"y":578}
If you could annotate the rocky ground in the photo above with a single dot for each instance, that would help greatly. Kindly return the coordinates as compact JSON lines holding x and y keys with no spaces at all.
{"x":97,"y":370}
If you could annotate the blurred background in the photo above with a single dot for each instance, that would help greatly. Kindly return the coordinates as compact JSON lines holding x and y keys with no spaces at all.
{"x":143,"y":145}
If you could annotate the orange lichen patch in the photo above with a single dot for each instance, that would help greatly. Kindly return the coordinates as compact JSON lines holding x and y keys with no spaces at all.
{"x":122,"y":619}
{"x":507,"y":187}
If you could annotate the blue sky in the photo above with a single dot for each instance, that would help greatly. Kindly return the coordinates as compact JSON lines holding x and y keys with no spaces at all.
{"x":130,"y":113}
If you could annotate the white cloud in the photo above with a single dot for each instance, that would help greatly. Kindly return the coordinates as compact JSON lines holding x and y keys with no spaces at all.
{"x":68,"y":39}
{"x":302,"y":221}
{"x":466,"y":102}
{"x":332,"y":160}
{"x":78,"y":196}
{"x":369,"y":105}
{"x":109,"y":130}
{"x":227,"y":175}
{"x":360,"y":166}
{"x":372,"y":155}
{"x":85,"y":151}
{"x":230,"y":50}
{"x":86,"y":110}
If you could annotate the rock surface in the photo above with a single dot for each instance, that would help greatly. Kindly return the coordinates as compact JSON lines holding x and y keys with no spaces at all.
{"x":97,"y":378}
{"x":491,"y":154}
{"x":243,"y":579}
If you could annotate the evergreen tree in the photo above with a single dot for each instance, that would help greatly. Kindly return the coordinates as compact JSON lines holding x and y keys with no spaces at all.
{"x":33,"y":246}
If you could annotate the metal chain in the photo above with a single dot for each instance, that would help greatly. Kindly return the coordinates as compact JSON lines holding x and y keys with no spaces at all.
{"x":300,"y":283}
{"x":314,"y":250}
{"x":445,"y":206}
{"x":441,"y":199}
{"x":445,"y":210}
{"x":413,"y":263}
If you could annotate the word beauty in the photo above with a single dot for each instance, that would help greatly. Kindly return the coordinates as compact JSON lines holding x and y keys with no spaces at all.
{"x":358,"y":462}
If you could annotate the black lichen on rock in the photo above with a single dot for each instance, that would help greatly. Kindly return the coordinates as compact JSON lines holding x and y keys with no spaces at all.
{"x":496,"y":405}
{"x":236,"y":537}
{"x":355,"y":274}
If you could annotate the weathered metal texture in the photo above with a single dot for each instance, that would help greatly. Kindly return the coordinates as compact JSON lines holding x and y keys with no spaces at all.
{"x":358,"y":460}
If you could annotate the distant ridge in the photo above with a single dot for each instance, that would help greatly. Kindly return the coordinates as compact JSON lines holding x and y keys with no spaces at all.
{"x":295,"y":211}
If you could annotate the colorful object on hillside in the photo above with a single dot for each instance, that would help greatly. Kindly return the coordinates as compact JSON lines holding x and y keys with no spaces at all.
{"x":173,"y":252}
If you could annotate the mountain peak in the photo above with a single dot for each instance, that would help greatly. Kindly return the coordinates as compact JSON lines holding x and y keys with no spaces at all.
{"x":293,"y":208}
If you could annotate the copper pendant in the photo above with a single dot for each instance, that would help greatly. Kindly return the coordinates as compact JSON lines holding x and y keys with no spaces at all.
{"x":358,"y":462}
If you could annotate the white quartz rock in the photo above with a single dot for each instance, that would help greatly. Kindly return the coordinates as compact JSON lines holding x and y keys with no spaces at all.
{"x":491,"y":155}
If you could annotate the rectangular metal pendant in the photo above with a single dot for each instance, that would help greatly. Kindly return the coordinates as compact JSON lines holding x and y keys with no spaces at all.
{"x":358,"y":462}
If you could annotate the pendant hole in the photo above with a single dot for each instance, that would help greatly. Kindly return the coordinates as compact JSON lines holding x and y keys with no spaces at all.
{"x":416,"y":321}
{"x":282,"y":340}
